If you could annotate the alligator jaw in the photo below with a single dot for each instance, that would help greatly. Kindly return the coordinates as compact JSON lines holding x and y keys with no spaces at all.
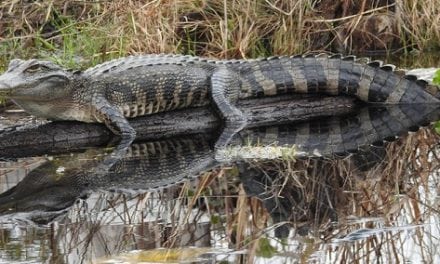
{"x":5,"y":91}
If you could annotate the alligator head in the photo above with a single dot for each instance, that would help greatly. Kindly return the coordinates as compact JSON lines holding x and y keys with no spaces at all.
{"x":41,"y":196}
{"x":34,"y":80}
{"x":41,"y":88}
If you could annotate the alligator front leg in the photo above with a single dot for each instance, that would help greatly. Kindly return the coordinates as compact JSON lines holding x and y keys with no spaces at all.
{"x":225,"y":89}
{"x":112,"y":117}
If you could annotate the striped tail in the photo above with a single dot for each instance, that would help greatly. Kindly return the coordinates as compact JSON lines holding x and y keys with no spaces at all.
{"x":370,"y":82}
{"x":371,"y":125}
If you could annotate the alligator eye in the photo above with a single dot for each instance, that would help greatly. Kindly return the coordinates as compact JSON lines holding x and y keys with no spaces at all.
{"x":36,"y":68}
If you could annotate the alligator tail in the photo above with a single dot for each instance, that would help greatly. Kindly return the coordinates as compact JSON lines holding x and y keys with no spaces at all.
{"x":340,"y":135}
{"x":369,"y":81}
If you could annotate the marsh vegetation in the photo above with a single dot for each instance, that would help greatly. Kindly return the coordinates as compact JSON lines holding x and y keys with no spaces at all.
{"x":299,"y":210}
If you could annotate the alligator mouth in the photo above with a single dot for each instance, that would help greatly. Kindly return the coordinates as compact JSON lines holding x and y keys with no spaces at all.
{"x":5,"y":90}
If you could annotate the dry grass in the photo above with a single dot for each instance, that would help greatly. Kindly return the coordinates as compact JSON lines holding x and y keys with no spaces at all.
{"x":211,"y":28}
{"x":77,"y":32}
{"x":419,"y":21}
{"x":88,"y":32}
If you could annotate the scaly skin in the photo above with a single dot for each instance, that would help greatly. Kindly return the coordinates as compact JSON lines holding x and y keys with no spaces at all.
{"x":142,"y":85}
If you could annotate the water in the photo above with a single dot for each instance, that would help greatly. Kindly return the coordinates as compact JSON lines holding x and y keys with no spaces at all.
{"x":271,"y":210}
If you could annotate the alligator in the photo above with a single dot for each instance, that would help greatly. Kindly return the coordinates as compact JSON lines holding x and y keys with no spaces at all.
{"x":47,"y":191}
{"x":142,"y":85}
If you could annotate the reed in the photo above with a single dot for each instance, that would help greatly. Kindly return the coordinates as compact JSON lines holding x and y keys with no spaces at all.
{"x":88,"y":32}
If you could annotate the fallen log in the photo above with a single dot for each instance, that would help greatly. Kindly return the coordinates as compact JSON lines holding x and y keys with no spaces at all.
{"x":59,"y":137}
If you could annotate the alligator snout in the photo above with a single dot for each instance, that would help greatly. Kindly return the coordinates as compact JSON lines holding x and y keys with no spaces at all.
{"x":5,"y":89}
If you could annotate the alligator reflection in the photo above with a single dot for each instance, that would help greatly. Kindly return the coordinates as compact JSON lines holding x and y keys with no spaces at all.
{"x":48,"y":191}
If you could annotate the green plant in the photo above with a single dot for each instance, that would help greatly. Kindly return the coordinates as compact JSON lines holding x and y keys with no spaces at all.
{"x":437,"y":127}
{"x":265,"y":249}
{"x":436,"y":79}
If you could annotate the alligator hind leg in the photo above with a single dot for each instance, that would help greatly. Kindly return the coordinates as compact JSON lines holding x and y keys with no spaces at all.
{"x":225,"y":89}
